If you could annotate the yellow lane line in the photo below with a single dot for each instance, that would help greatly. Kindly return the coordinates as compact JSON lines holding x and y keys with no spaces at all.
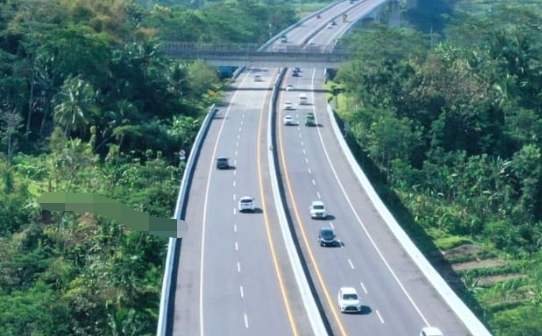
{"x":268,"y":230}
{"x":332,"y":305}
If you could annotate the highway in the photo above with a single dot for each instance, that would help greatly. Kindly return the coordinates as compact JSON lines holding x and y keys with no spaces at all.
{"x":234,"y":277}
{"x":397,"y":299}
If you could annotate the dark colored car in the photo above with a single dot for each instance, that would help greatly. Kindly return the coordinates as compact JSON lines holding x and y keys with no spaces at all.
{"x":222,"y":163}
{"x":326,"y":237}
{"x":296,"y":74}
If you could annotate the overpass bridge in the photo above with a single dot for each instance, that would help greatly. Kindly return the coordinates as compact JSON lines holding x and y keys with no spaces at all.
{"x":251,"y":55}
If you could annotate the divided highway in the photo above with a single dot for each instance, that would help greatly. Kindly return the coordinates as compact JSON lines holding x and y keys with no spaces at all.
{"x":234,"y":276}
{"x":397,"y":299}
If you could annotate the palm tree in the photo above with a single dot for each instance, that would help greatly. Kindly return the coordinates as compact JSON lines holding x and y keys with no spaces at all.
{"x":75,"y":105}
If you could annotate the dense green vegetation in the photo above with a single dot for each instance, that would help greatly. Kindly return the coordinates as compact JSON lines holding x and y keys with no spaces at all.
{"x":449,"y":130}
{"x":89,"y":104}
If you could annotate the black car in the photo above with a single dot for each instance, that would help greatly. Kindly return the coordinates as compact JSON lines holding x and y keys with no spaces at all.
{"x":222,"y":163}
{"x":326,"y":237}
{"x":296,"y":74}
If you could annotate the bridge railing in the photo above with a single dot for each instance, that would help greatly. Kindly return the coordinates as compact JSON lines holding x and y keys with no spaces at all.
{"x":218,"y":49}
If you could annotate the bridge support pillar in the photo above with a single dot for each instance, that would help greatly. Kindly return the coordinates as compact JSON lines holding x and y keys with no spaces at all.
{"x":395,"y":13}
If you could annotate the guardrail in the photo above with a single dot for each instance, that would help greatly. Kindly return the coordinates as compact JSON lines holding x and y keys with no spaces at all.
{"x":165,"y":312}
{"x":174,"y":243}
{"x":463,"y":312}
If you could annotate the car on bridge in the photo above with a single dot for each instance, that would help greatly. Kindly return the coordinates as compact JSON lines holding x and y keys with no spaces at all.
{"x":318,"y":210}
{"x":288,"y":120}
{"x":246,"y":203}
{"x":348,"y":300}
{"x":288,"y":105}
{"x":431,"y":331}
{"x":222,"y":163}
{"x":310,"y":119}
{"x":289,"y":88}
{"x":326,"y":237}
{"x":283,"y":39}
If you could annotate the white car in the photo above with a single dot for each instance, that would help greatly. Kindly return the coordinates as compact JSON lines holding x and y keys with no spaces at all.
{"x":288,"y":120}
{"x":246,"y":203}
{"x":289,"y":88}
{"x":318,"y":210}
{"x":288,"y":105}
{"x":431,"y":331}
{"x":348,"y":300}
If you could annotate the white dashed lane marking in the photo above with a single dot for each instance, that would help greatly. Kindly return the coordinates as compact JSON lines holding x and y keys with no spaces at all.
{"x":318,"y":194}
{"x":310,"y":172}
{"x":350,"y":262}
{"x":238,"y":267}
{"x":363,"y":287}
{"x":380,"y":317}
{"x":246,"y":321}
{"x":234,"y":227}
{"x":313,"y":182}
{"x":236,"y":246}
{"x":241,"y":290}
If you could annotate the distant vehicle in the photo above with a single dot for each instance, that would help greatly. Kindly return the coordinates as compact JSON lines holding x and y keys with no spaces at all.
{"x":345,"y":18}
{"x":431,"y":331}
{"x":296,"y":70}
{"x":312,"y":43}
{"x":303,"y":99}
{"x":309,"y":119}
{"x":329,"y":26}
{"x":318,"y":210}
{"x":288,"y":105}
{"x":257,"y":78}
{"x":222,"y":163}
{"x":288,"y":120}
{"x":318,"y":16}
{"x":283,"y":39}
{"x":289,"y":88}
{"x":348,"y":300}
{"x":246,"y":203}
{"x":296,"y":74}
{"x":326,"y":237}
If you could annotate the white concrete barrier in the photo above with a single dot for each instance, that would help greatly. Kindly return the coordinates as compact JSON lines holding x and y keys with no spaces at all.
{"x":173,"y":247}
{"x":463,"y":312}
